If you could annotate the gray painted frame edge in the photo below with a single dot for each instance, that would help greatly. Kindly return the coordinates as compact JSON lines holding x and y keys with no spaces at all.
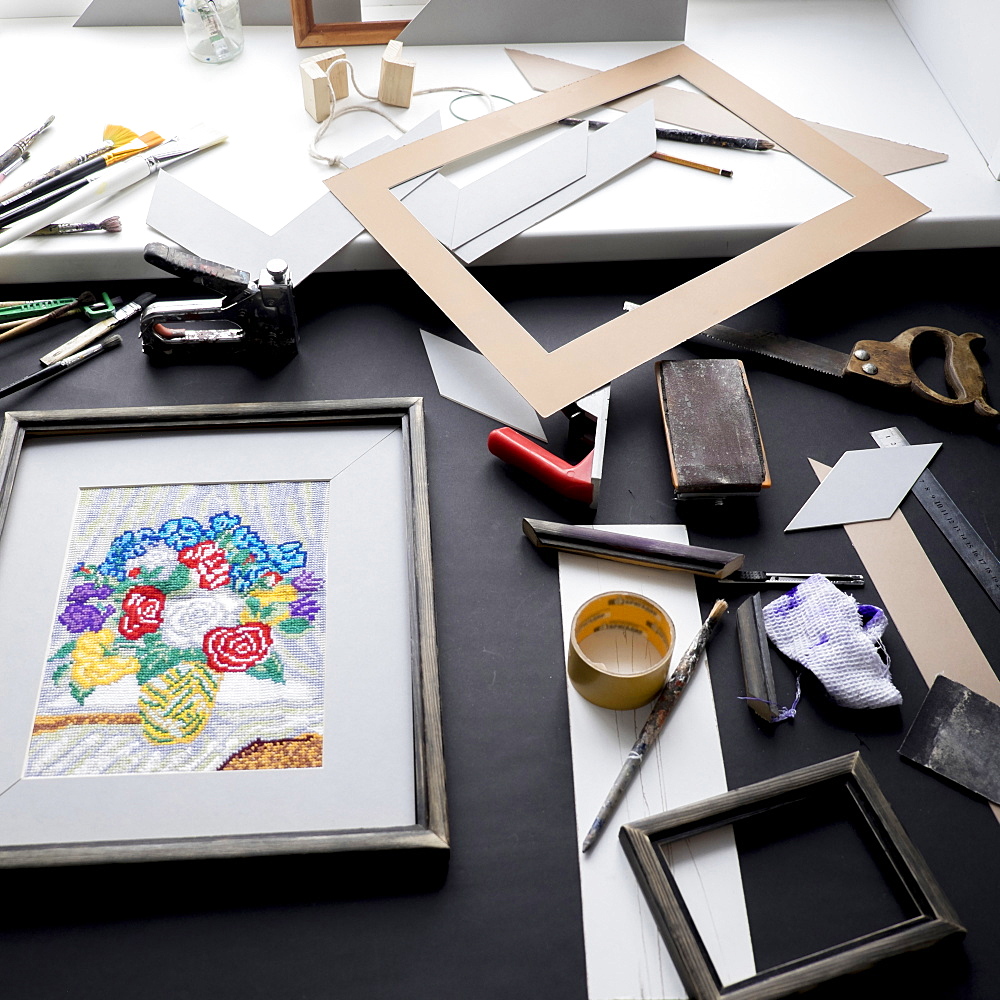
{"x":937,"y":918}
{"x":431,"y":829}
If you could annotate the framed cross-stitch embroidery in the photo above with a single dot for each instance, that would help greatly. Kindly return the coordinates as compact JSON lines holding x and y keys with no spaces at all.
{"x":218,"y":633}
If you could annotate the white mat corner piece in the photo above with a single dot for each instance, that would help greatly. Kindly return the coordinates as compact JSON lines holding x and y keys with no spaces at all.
{"x":864,"y":485}
{"x":467,"y":378}
{"x":626,"y":956}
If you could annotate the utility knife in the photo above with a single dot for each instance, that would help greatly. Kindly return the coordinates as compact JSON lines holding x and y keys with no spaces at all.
{"x":885,"y":362}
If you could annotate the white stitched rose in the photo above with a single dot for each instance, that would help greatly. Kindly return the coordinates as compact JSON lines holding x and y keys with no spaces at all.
{"x":187,"y":619}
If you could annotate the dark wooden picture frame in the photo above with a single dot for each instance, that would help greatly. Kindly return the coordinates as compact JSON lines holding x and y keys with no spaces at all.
{"x":310,"y":34}
{"x":643,"y":843}
{"x":429,"y":831}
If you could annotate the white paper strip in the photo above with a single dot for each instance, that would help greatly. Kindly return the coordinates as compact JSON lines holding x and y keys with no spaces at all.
{"x":626,"y":957}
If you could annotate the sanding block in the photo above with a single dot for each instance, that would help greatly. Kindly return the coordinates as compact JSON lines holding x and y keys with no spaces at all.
{"x":713,"y":438}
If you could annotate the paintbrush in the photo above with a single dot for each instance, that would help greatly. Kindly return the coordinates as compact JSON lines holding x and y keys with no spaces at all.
{"x":118,"y":178}
{"x":109,"y":225}
{"x":675,"y":686}
{"x":114,"y":136}
{"x":44,"y":374}
{"x":28,"y":202}
{"x":8,"y":156}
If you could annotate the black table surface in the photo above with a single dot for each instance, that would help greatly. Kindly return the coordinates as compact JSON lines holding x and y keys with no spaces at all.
{"x":506,"y":920}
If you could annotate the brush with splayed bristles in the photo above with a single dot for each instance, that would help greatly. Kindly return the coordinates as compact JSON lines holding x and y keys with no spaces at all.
{"x":110,"y":225}
{"x":44,"y":194}
{"x":118,"y":178}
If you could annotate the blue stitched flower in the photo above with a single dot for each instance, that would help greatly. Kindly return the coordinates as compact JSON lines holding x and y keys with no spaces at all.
{"x":182,"y":532}
{"x":222,"y":522}
{"x":242,"y":576}
{"x":286,"y":556}
{"x":247,"y":538}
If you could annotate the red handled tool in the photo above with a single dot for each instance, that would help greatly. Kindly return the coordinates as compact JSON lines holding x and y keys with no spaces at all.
{"x":588,"y":420}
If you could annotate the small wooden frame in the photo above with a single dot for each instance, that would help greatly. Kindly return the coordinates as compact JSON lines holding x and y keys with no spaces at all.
{"x":850,"y":779}
{"x":310,"y":34}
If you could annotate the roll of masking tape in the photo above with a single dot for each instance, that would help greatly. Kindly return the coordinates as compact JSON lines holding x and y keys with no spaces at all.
{"x":619,"y":650}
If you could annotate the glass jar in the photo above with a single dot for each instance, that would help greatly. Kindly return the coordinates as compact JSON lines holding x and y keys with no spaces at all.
{"x":213,"y":29}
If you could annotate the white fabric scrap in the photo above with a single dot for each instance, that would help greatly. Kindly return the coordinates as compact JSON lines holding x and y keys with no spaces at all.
{"x":835,"y":639}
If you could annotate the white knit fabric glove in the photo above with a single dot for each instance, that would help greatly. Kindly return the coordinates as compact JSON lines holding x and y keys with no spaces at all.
{"x":835,"y":639}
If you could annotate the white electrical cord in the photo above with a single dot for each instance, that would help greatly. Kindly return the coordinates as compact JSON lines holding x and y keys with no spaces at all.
{"x":335,"y":112}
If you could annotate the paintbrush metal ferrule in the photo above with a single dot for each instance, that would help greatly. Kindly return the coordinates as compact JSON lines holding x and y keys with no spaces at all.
{"x":54,"y":172}
{"x":109,"y":343}
{"x":11,"y":167}
{"x":21,"y":146}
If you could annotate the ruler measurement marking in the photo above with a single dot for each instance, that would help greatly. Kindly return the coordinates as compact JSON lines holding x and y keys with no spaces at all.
{"x":954,"y":525}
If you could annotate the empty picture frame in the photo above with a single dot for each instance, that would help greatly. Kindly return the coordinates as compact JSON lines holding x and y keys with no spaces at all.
{"x":844,"y":785}
{"x":551,"y":380}
{"x":309,"y":34}
{"x":315,"y":518}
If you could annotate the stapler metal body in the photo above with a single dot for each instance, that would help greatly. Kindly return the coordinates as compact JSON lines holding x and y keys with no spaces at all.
{"x":254,"y":323}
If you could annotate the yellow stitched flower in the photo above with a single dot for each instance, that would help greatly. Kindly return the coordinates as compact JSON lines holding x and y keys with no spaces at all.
{"x":247,"y":616}
{"x":92,"y":667}
{"x":282,"y":592}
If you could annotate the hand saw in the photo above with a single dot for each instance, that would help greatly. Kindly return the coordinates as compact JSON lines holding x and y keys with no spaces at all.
{"x":887,"y":363}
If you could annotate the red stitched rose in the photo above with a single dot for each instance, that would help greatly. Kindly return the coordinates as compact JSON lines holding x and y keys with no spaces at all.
{"x":209,"y":561}
{"x":235,"y":648}
{"x":142,"y":611}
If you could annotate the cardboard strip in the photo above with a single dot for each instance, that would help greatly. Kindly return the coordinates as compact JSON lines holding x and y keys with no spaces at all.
{"x":696,"y":111}
{"x":919,"y":605}
{"x":550,"y":381}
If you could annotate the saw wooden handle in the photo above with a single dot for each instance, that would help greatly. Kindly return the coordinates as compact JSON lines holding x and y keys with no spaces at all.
{"x":892,"y":362}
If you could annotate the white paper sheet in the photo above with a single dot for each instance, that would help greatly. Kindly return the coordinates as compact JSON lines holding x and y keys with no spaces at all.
{"x":610,"y":151}
{"x":626,"y":957}
{"x":865,"y":485}
{"x":188,"y":218}
{"x":467,"y":378}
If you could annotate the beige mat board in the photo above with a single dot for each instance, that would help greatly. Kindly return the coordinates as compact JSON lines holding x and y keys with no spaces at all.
{"x":551,"y":380}
{"x":685,"y":109}
{"x":918,"y":604}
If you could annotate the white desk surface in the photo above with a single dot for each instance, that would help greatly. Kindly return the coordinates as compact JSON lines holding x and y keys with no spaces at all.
{"x":846,"y":63}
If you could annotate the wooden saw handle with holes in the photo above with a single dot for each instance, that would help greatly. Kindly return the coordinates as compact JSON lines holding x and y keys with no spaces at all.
{"x":892,"y":362}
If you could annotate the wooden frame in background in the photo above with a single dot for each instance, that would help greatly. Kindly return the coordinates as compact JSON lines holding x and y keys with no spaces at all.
{"x":310,"y":34}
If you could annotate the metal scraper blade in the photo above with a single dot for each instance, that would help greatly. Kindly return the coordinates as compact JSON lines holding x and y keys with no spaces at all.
{"x":792,"y":351}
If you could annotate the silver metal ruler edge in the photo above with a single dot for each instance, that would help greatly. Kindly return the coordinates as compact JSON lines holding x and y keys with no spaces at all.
{"x":953,"y":524}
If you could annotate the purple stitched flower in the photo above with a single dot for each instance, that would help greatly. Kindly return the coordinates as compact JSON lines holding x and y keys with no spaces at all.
{"x":308,"y":583}
{"x":85,"y":591}
{"x":85,"y":617}
{"x":305,"y":607}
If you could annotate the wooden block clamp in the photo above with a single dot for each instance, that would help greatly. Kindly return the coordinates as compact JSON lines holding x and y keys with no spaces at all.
{"x":395,"y":84}
{"x":315,"y":89}
{"x":711,"y":425}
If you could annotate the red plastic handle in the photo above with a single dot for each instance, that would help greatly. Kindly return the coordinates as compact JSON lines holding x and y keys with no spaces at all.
{"x":571,"y":481}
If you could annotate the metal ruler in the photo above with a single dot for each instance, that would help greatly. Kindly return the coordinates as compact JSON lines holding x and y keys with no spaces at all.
{"x":962,"y":537}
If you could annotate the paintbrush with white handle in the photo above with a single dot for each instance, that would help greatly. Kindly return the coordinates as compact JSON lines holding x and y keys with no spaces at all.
{"x":115,"y":179}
